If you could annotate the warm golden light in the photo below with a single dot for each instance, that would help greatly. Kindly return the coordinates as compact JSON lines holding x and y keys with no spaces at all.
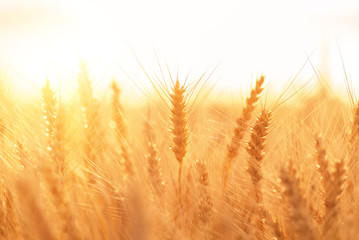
{"x":179,"y":119}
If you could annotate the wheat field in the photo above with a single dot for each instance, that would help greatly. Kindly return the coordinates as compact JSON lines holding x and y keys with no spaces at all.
{"x":181,"y":166}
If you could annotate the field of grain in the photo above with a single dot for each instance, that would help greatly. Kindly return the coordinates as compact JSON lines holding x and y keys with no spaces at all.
{"x":181,"y":166}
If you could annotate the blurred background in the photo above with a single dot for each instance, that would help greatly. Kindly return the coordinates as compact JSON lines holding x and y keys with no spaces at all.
{"x":241,"y":39}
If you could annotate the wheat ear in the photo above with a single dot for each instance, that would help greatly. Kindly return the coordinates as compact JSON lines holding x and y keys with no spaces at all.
{"x":355,"y":125}
{"x":59,"y":141}
{"x":255,"y":149}
{"x":34,"y":215}
{"x":49,"y":107}
{"x":91,"y":124}
{"x":54,"y":116}
{"x":301,"y":220}
{"x":179,"y":127}
{"x":205,"y":203}
{"x":242,"y":125}
{"x":353,"y":147}
{"x":120,"y":128}
{"x":9,"y":225}
{"x":322,"y":163}
{"x":154,"y":169}
{"x":332,"y":196}
{"x":118,"y":114}
{"x":62,"y":202}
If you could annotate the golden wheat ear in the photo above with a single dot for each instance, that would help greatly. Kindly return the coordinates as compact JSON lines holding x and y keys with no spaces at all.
{"x":179,"y":127}
{"x":54,"y":116}
{"x":36,"y":224}
{"x":154,"y":169}
{"x":121,"y":128}
{"x":61,"y":200}
{"x":92,"y":126}
{"x":355,"y":125}
{"x":59,"y":146}
{"x":118,"y":114}
{"x":10,"y":227}
{"x":206,"y":202}
{"x":331,"y":222}
{"x":323,"y":165}
{"x":49,"y":108}
{"x":353,"y":150}
{"x":301,"y":221}
{"x":255,"y":149}
{"x":242,"y":125}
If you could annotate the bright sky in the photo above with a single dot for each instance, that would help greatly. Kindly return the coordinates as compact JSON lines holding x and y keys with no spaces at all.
{"x":41,"y":39}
